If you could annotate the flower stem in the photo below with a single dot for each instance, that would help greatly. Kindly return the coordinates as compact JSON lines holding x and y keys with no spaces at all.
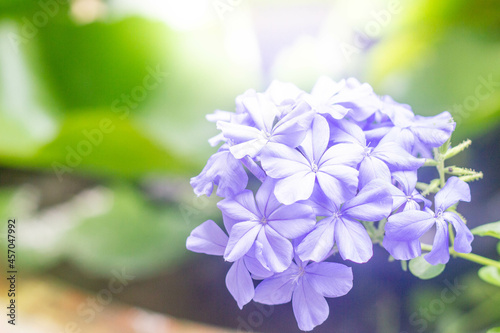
{"x":440,"y":168}
{"x":468,"y":256}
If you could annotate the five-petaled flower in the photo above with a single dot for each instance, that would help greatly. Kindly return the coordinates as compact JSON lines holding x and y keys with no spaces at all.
{"x":407,"y":227}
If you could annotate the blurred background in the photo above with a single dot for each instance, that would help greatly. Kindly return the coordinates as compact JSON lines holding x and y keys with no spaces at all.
{"x":102,"y":107}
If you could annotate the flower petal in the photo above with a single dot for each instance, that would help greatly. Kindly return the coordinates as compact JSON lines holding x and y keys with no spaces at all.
{"x":407,"y":180}
{"x":330,"y":279}
{"x":353,"y":241}
{"x":338,"y":182}
{"x":440,"y":253}
{"x":316,"y":139}
{"x":372,"y":168}
{"x":223,"y":170}
{"x":241,"y":208}
{"x":280,"y":92}
{"x":433,"y":131}
{"x":241,"y":239}
{"x":318,"y":243}
{"x":454,"y":190}
{"x":255,"y":267}
{"x":239,"y":283}
{"x":294,"y":188}
{"x":277,"y":251}
{"x":402,"y":250}
{"x":265,"y":198}
{"x":396,"y":157}
{"x":463,"y":237}
{"x":342,"y":154}
{"x":262,"y":111}
{"x":409,"y":225}
{"x":292,"y":221}
{"x":248,"y":148}
{"x":309,"y":307}
{"x":345,"y":131}
{"x":277,"y":289}
{"x":398,"y":197}
{"x":292,"y":129}
{"x":238,"y":132}
{"x":280,"y":161}
{"x":207,"y":238}
{"x":372,"y":203}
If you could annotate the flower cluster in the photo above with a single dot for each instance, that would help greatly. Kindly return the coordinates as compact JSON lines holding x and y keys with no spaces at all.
{"x":329,"y":164}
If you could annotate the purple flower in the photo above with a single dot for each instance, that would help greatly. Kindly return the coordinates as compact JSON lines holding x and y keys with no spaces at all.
{"x":408,"y":226}
{"x":306,"y":285}
{"x":283,"y":95}
{"x":250,"y":139}
{"x":375,"y":162}
{"x":346,"y":97}
{"x":298,"y":171}
{"x":265,"y":223}
{"x":417,"y":134}
{"x":330,"y":163}
{"x":341,"y":224}
{"x":407,"y":198}
{"x":208,"y":238}
{"x":223,"y":170}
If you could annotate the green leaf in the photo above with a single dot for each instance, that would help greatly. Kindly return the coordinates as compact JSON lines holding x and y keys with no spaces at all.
{"x":95,"y":64}
{"x":423,"y":270}
{"x":490,"y":274}
{"x":490,"y":229}
{"x":498,"y":248}
{"x":419,"y":51}
{"x":404,"y":265}
{"x":133,"y":234}
{"x":494,"y":330}
{"x":102,"y":143}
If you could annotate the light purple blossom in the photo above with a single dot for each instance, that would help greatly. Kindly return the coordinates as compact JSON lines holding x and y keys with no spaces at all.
{"x":306,"y":285}
{"x":268,"y":224}
{"x":251,"y":139}
{"x":410,"y":225}
{"x":298,"y":170}
{"x":407,"y":197}
{"x":209,"y":238}
{"x":376,"y":162}
{"x":341,"y":224}
{"x":326,"y":165}
{"x":342,"y":98}
{"x":223,"y":170}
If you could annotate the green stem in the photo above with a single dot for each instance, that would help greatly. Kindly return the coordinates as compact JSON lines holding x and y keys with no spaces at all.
{"x":468,"y":256}
{"x":440,"y":168}
{"x":476,"y":258}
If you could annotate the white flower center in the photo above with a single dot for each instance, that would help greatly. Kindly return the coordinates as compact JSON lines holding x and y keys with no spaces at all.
{"x":314,"y":167}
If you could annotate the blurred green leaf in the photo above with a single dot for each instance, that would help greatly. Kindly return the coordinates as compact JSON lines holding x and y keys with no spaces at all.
{"x":95,"y":64}
{"x":134,"y":235}
{"x":489,"y":229}
{"x":490,"y":274}
{"x":498,"y":248}
{"x":437,"y":55}
{"x":423,"y":270}
{"x":101,"y":143}
{"x":494,"y":330}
